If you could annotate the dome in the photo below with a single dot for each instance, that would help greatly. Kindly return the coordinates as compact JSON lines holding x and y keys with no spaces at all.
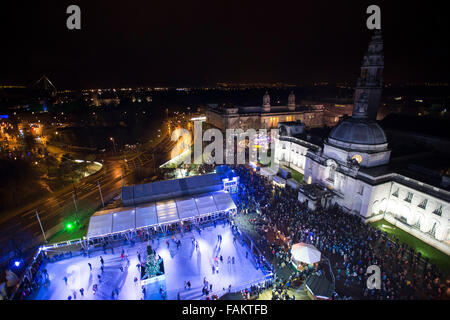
{"x":358,"y":131}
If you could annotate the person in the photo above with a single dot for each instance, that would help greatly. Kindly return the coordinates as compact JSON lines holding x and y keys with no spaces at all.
{"x":65,"y":280}
{"x":99,"y":278}
{"x":135,"y":280}
{"x":75,"y":295}
{"x":82,"y":292}
{"x":178,"y":296}
{"x":221,"y":259}
{"x":102,"y":268}
{"x":232,"y":260}
{"x":90,"y":266}
{"x":139,"y":256}
{"x":246,"y":254}
{"x":102,"y":261}
{"x":69,"y":298}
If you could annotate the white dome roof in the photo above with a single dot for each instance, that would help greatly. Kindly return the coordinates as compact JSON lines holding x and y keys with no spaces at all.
{"x":359,"y":131}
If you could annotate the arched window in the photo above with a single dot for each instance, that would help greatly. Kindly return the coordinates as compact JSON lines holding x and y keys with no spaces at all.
{"x":433,"y":230}
{"x":332,"y":173}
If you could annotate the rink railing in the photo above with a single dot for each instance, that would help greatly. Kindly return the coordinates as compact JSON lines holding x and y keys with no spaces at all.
{"x":221,"y":293}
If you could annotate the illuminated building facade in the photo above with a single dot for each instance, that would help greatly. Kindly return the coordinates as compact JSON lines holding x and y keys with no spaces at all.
{"x":353,"y":164}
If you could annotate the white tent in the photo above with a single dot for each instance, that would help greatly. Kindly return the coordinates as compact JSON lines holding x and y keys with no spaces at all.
{"x":306,"y":253}
{"x":186,"y":208}
{"x":224,"y":201}
{"x":100,"y":225}
{"x":162,"y":212}
{"x":146,"y":215}
{"x":206,"y":205}
{"x":124,"y":220}
{"x":167,"y":211}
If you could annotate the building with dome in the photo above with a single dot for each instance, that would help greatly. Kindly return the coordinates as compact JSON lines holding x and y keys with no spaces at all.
{"x":352,"y":166}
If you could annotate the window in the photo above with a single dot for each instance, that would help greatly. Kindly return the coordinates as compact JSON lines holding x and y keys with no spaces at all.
{"x":438,"y":211}
{"x":395,"y":194}
{"x":423,"y":204}
{"x":361,"y":190}
{"x":433,"y":230}
{"x":332,"y":173}
{"x":409,"y":197}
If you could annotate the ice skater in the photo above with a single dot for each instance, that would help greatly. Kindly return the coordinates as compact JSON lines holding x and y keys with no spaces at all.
{"x":90,"y":266}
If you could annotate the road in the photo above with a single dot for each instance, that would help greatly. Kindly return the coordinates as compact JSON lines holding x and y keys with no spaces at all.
{"x":21,"y":229}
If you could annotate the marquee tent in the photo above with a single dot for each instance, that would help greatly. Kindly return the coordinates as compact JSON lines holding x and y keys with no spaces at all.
{"x":306,"y":253}
{"x":152,"y":214}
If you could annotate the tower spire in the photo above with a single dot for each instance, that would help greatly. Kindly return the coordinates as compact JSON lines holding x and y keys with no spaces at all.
{"x":291,"y":101}
{"x":266,"y":102}
{"x":370,"y":82}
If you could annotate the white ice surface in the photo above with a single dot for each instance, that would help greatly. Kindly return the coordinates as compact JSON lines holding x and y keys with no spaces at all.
{"x":183,"y":264}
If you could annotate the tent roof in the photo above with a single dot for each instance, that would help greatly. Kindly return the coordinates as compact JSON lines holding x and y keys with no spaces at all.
{"x":305,"y":253}
{"x":155,"y":213}
{"x":320,"y":286}
{"x":146,"y":215}
{"x":162,"y":190}
{"x":167,"y":211}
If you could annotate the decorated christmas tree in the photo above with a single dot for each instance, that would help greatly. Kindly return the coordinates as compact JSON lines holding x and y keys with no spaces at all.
{"x":153,"y":266}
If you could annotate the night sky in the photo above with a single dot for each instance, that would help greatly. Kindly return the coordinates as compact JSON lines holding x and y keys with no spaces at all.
{"x":133,"y":43}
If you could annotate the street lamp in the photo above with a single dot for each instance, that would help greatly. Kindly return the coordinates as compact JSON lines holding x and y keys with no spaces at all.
{"x":114,"y":144}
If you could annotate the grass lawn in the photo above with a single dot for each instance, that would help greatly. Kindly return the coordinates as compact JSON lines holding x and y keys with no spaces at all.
{"x":76,"y":232}
{"x":296,"y":175}
{"x":436,"y":257}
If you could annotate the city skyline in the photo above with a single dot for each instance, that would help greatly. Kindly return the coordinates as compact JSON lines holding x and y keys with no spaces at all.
{"x":203,"y":44}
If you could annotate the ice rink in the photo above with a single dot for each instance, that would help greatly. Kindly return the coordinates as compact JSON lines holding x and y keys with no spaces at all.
{"x":183,"y":264}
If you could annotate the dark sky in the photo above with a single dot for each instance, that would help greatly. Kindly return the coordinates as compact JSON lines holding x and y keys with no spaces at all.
{"x":191,"y":42}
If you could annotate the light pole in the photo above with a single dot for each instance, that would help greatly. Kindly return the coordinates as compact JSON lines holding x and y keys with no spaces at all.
{"x":40,"y":224}
{"x":76,"y":207}
{"x":100,"y":189}
{"x":114,"y":144}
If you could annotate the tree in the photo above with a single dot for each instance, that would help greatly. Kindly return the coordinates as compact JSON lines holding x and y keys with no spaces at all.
{"x":152,"y":266}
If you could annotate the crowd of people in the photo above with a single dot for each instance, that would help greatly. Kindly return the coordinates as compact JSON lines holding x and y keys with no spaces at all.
{"x":350,"y":245}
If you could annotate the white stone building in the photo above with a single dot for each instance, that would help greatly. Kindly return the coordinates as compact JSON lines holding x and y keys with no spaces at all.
{"x":353,"y":164}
